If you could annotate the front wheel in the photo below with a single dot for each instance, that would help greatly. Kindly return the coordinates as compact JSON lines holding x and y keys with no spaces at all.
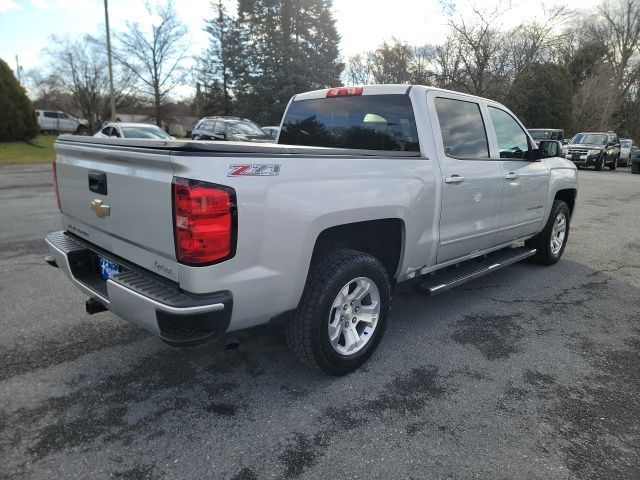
{"x":343,"y":312}
{"x":600,"y":164}
{"x":550,"y":243}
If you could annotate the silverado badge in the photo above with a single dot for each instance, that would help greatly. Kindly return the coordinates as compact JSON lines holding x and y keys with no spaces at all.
{"x":99,"y":209}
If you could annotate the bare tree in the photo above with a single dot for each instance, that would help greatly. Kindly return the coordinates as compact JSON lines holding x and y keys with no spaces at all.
{"x":155,"y":58}
{"x":481,"y":49}
{"x":358,"y":70}
{"x":619,"y":29}
{"x":538,"y":40}
{"x":76,"y":68}
{"x":448,"y":66}
{"x":421,"y":70}
{"x":595,"y":102}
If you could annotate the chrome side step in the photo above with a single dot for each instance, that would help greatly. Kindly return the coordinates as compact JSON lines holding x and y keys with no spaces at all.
{"x":472,"y":269}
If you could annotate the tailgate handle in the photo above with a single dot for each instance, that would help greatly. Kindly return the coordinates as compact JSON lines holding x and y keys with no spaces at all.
{"x":98,"y":182}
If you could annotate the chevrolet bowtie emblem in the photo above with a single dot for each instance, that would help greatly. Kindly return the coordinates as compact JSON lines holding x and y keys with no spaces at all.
{"x":99,"y":209}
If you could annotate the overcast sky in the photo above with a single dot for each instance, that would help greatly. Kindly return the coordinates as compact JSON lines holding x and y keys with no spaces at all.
{"x":26,"y":25}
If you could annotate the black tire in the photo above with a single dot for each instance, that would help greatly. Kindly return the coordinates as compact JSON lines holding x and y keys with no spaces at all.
{"x":614,"y":164}
{"x":600,"y":164}
{"x":307,"y":331}
{"x":542,"y":242}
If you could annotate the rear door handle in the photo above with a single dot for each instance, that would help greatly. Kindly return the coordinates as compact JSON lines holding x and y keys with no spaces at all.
{"x":454,"y":179}
{"x":512,"y":176}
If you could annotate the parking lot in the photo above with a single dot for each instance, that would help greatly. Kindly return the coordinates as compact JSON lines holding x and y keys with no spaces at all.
{"x":531,"y":372}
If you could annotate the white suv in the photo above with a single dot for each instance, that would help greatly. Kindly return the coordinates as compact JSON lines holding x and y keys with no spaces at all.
{"x":55,"y":121}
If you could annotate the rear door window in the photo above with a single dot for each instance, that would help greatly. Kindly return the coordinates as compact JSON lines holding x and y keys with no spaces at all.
{"x":51,"y":114}
{"x":218,"y":128}
{"x":369,"y":122}
{"x":463,"y":132}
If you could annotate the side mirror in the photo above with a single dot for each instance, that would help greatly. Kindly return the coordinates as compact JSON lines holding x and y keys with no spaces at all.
{"x":549,"y":148}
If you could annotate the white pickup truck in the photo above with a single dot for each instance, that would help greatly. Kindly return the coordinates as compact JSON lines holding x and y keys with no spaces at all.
{"x":367,"y":187}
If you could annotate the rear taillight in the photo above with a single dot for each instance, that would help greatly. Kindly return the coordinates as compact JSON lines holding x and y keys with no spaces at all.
{"x":205,"y":222}
{"x":344,"y":91}
{"x":55,"y":186}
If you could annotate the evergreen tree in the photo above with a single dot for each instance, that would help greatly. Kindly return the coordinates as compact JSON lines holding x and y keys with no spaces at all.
{"x":541,"y":96}
{"x":215,"y":65}
{"x":286,"y":47}
{"x":17,"y":117}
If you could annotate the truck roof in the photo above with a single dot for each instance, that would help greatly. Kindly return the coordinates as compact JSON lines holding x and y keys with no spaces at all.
{"x":386,"y":89}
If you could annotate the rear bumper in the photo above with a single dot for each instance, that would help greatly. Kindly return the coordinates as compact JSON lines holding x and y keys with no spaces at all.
{"x":142,"y":298}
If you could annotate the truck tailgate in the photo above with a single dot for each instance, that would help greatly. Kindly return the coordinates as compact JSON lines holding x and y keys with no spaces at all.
{"x":119,"y":199}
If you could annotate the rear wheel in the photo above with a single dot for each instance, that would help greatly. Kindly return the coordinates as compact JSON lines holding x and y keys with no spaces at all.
{"x":550,"y":243}
{"x":343,"y":312}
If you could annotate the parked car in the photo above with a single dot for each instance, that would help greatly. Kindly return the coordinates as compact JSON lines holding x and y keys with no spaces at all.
{"x":626,"y":145}
{"x":272,"y":131}
{"x":147,"y":131}
{"x":55,"y":121}
{"x":547,"y":134}
{"x":229,"y":129}
{"x":194,"y":239}
{"x":593,"y":149}
{"x":635,"y":160}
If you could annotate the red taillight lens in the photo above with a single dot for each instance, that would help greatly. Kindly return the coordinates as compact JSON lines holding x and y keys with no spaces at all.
{"x":205,"y":222}
{"x":55,"y":185}
{"x":344,"y":91}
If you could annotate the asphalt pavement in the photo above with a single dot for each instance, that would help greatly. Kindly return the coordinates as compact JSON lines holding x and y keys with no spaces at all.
{"x":530,"y":372}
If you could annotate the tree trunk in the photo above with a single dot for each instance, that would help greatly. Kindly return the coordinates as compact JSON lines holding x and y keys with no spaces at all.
{"x":157,"y":104}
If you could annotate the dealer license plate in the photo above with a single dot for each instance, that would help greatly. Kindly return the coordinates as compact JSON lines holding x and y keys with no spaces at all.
{"x":107,"y":269}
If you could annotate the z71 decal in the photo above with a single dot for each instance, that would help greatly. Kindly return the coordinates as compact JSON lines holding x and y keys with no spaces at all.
{"x":254,"y":170}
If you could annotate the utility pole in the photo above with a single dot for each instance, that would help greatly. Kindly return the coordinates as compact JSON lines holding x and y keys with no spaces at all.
{"x":112,"y":95}
{"x":18,"y":70}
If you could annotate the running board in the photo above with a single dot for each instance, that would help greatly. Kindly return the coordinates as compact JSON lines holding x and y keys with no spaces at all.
{"x":471,"y":270}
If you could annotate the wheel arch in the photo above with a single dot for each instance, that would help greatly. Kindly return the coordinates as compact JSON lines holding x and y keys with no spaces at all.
{"x":381,"y":238}
{"x":568,"y":196}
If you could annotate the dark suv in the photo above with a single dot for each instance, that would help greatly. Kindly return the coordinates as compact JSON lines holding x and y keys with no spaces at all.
{"x":547,"y":134}
{"x":593,"y":149}
{"x":229,"y":128}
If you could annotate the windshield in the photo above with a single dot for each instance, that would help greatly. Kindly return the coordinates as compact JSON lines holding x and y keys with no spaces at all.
{"x":145,"y":132}
{"x":370,"y":122}
{"x":590,"y":139}
{"x":244,"y":128}
{"x":625,"y":143}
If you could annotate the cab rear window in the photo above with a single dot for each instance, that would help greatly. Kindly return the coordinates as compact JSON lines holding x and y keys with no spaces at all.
{"x":368,"y":122}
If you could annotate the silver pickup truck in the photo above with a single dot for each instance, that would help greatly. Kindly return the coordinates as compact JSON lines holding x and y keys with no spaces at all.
{"x":367,"y":187}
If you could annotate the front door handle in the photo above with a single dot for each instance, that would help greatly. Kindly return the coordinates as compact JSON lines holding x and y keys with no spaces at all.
{"x":512,"y":176}
{"x":454,"y":179}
